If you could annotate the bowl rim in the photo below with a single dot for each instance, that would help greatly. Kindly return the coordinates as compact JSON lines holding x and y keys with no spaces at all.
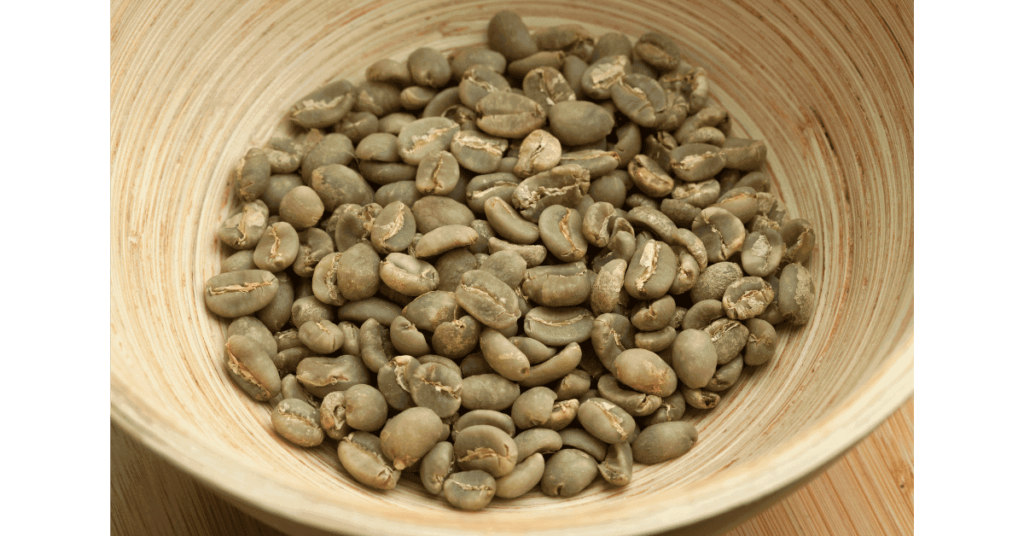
{"x":800,"y":456}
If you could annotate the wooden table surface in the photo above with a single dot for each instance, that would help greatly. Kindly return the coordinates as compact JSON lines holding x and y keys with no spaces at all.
{"x":869,"y":491}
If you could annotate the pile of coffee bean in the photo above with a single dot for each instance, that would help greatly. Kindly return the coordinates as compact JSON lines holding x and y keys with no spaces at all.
{"x":515,"y":265}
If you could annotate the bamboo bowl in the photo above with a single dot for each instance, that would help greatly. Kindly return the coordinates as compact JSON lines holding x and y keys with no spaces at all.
{"x":829,"y":86}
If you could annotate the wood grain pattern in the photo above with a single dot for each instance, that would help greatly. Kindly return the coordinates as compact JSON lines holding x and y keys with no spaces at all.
{"x":868,"y":491}
{"x":829,"y":86}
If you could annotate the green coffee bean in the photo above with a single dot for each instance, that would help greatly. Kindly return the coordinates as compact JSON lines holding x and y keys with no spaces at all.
{"x":656,"y":341}
{"x":275,"y":315}
{"x":252,"y":175}
{"x":477,"y":151}
{"x":298,"y":422}
{"x":332,"y":415}
{"x":469,"y":490}
{"x":694,"y":357}
{"x":393,"y":229}
{"x":357,"y":126}
{"x":378,"y":98}
{"x":486,"y":448}
{"x":478,"y":81}
{"x":559,"y":326}
{"x":518,"y":69}
{"x":655,"y":315}
{"x":508,"y":223}
{"x":488,"y":299}
{"x":509,"y":115}
{"x":606,"y":421}
{"x":705,"y":135}
{"x":796,"y":294}
{"x":309,"y":308}
{"x":596,"y":161}
{"x":664,"y":441}
{"x":406,"y":339}
{"x":325,"y":280}
{"x":536,"y":352}
{"x":651,"y":271}
{"x":603,"y":74}
{"x":244,"y":228}
{"x":332,"y":149}
{"x":284,"y":151}
{"x":239,"y":260}
{"x":250,"y":367}
{"x":322,"y":336}
{"x":617,"y":467}
{"x":250,"y":327}
{"x":507,"y":34}
{"x":437,"y":173}
{"x":710,"y":116}
{"x":740,"y":201}
{"x":408,"y":275}
{"x":361,"y":455}
{"x":457,"y":338}
{"x":431,"y":309}
{"x":726,"y":375}
{"x":389,"y":71}
{"x":700,"y":399}
{"x":644,"y":371}
{"x":635,"y":403}
{"x":416,"y":97}
{"x":462,"y":59}
{"x":747,"y":297}
{"x":278,"y":248}
{"x":287,"y":360}
{"x":729,"y":338}
{"x":699,"y":194}
{"x":428,"y":67}
{"x":410,"y":435}
{"x":567,"y":473}
{"x":579,"y":122}
{"x":582,"y":440}
{"x":503,"y":356}
{"x":436,"y":387}
{"x":671,"y":409}
{"x":361,"y":310}
{"x":746,"y":155}
{"x":241,"y":293}
{"x":391,"y":380}
{"x":301,"y":207}
{"x":658,"y":50}
{"x":524,"y":477}
{"x":434,"y":211}
{"x":612,"y":334}
{"x":562,"y":185}
{"x":376,"y":348}
{"x":325,"y":106}
{"x":488,"y":391}
{"x":484,"y":417}
{"x":762,"y":252}
{"x":760,"y":343}
{"x":554,"y":368}
{"x":608,"y":287}
{"x":721,"y":231}
{"x":696,"y":161}
{"x":437,"y":465}
{"x":711,"y":283}
{"x":322,"y":375}
{"x":558,"y":285}
{"x":799,"y":238}
{"x":560,"y":229}
{"x":533,"y":407}
{"x":445,"y":239}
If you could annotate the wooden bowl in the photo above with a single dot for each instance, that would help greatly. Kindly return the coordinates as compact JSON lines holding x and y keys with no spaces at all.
{"x":828,"y":86}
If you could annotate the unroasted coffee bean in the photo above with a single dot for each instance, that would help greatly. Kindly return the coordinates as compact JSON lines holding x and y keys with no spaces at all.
{"x":435,"y":211}
{"x":486,"y":448}
{"x":581,"y":439}
{"x":361,"y":455}
{"x":612,"y":334}
{"x":568,"y":472}
{"x":606,"y":421}
{"x":562,"y":185}
{"x":651,"y":271}
{"x":436,"y":387}
{"x":664,"y":441}
{"x":671,"y":409}
{"x":655,"y":315}
{"x":437,"y":465}
{"x":360,"y":311}
{"x":508,"y":223}
{"x":617,"y":467}
{"x":503,"y":356}
{"x":428,"y":67}
{"x":561,"y":230}
{"x":250,"y":327}
{"x":391,"y":380}
{"x":301,"y":207}
{"x":726,"y":375}
{"x":729,"y":338}
{"x":378,"y":98}
{"x":579,"y":122}
{"x":508,"y":266}
{"x":298,"y":422}
{"x":635,"y":403}
{"x":410,"y":435}
{"x":796,"y":294}
{"x":484,"y":417}
{"x":308,"y":309}
{"x":694,"y":358}
{"x":711,"y":283}
{"x":325,"y":106}
{"x":252,"y":175}
{"x":700,"y":398}
{"x":557,"y":285}
{"x":509,"y":115}
{"x":457,"y":338}
{"x":432,"y":309}
{"x":322,"y":336}
{"x":322,"y":375}
{"x":557,"y":367}
{"x":277,"y":248}
{"x":445,"y":239}
{"x":644,"y":371}
{"x":437,"y":173}
{"x":799,"y":238}
{"x":760,"y":343}
{"x":740,"y":201}
{"x":547,"y":86}
{"x":488,"y":299}
{"x":239,"y":260}
{"x":406,"y":339}
{"x":488,"y":391}
{"x":696,"y":161}
{"x":469,"y":490}
{"x":608,"y":287}
{"x":325,"y":280}
{"x":408,"y":275}
{"x":746,"y":155}
{"x":558,"y":326}
{"x":244,"y":228}
{"x":241,"y":293}
{"x":518,"y":69}
{"x":251,"y":368}
{"x":655,"y":341}
{"x":747,"y":297}
{"x":477,"y":151}
{"x":720,"y":231}
{"x":762,"y":252}
{"x":524,"y":477}
{"x":275,"y":315}
{"x":507,"y":34}
{"x":603,"y":74}
{"x":332,"y":415}
{"x":699,"y":194}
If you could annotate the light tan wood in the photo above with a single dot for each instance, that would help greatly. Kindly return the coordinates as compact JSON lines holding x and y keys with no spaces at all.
{"x":829,"y":86}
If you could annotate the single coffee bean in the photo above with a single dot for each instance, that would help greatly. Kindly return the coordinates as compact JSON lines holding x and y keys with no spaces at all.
{"x":325,"y":280}
{"x":729,"y":338}
{"x":424,"y":136}
{"x":332,"y":415}
{"x":378,"y":147}
{"x":456,"y":339}
{"x":378,"y":98}
{"x":357,"y":125}
{"x":508,"y":223}
{"x":508,"y":266}
{"x":251,"y":368}
{"x":799,"y":238}
{"x":680,"y":212}
{"x":358,"y":272}
{"x":696,"y":161}
{"x":428,"y":67}
{"x":376,"y":347}
{"x":488,"y":391}
{"x":469,"y":490}
{"x":547,"y":86}
{"x":606,"y":421}
{"x":536,"y":352}
{"x":488,"y":417}
{"x":278,"y":248}
{"x":252,"y":175}
{"x":562,"y":414}
{"x":747,"y":297}
{"x":700,"y":398}
{"x":298,"y":422}
{"x":353,"y":224}
{"x":503,"y":356}
{"x":533,"y":408}
{"x":509,"y":115}
{"x":559,"y":326}
{"x":479,"y":81}
{"x":568,"y":472}
{"x":477,"y":151}
{"x":445,"y":239}
{"x":410,"y":435}
{"x":721,"y":231}
{"x":557,"y":285}
{"x":243,"y":229}
{"x":651,"y":271}
{"x":705,"y":135}
{"x":649,"y":177}
{"x":434,"y":211}
{"x":762,"y":252}
{"x":252,"y":328}
{"x":562,"y":185}
{"x":275,"y":315}
{"x":325,"y":106}
{"x":507,"y":34}
{"x":483,"y":187}
{"x":301,"y":207}
{"x":332,"y":149}
{"x":241,"y":293}
{"x":760,"y":343}
{"x":580,"y":439}
{"x":635,"y":403}
{"x":436,"y":387}
{"x":322,"y":375}
{"x":432,"y":309}
{"x":796,"y":294}
{"x":710,"y":116}
{"x":694,"y":358}
{"x":664,"y":441}
{"x":561,"y":230}
{"x":361,"y":455}
{"x":740,"y":201}
{"x":488,"y":299}
{"x":608,"y":287}
{"x":360,"y":311}
{"x":612,"y":334}
{"x":617,"y":467}
{"x":537,"y":441}
{"x":654,"y":316}
{"x":518,"y":69}
{"x":408,"y":275}
{"x":644,"y":371}
{"x":284,"y":151}
{"x":406,"y":339}
{"x":579,"y":122}
{"x":554,"y":368}
{"x":656,"y":341}
{"x":239,"y":260}
{"x":393,"y":228}
{"x":416,"y":97}
{"x":658,"y":50}
{"x":437,"y":466}
{"x":726,"y":375}
{"x":486,"y":448}
{"x":524,"y":477}
{"x":603,"y":74}
{"x":699,"y":194}
{"x":308,"y":309}
{"x":746,"y":155}
{"x":462,"y":59}
{"x":392,"y":383}
{"x":437,"y":173}
{"x":322,"y":336}
{"x":593,"y":158}
{"x":712,"y":283}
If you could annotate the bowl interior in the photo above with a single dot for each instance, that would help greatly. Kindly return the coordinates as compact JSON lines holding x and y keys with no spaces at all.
{"x":829,"y":89}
